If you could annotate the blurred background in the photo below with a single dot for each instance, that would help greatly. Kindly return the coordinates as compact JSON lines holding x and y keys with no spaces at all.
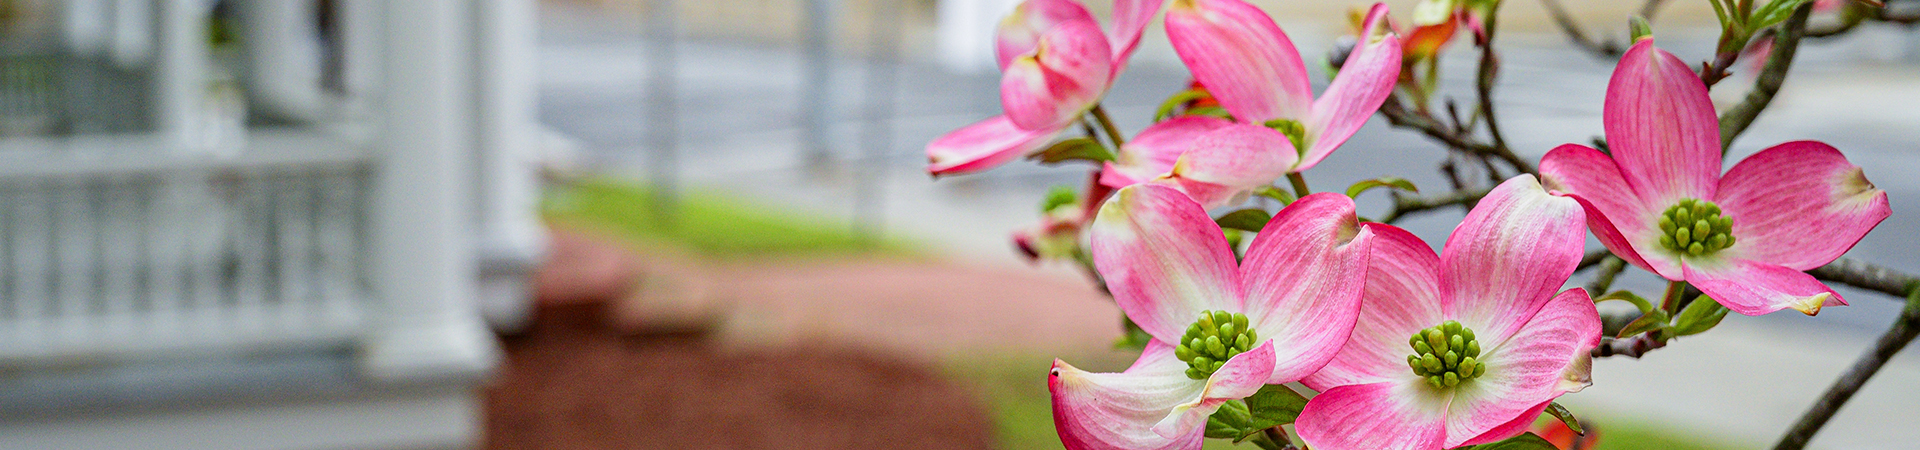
{"x":706,"y":224}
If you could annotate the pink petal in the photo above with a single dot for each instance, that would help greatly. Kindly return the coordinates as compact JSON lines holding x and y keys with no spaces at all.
{"x":1661,"y":127}
{"x":1799,"y":205}
{"x":1064,"y":75}
{"x":1362,"y":85}
{"x":984,"y":145}
{"x":1547,"y":357}
{"x":1519,"y":424}
{"x":1021,"y":29}
{"x":1303,"y":275}
{"x":1240,"y":377}
{"x":1389,"y":415}
{"x":1754,"y":288}
{"x":1242,"y":57}
{"x":1402,"y":296}
{"x":1623,"y":223}
{"x":1163,"y":259}
{"x":1119,"y":410}
{"x":1130,"y":19}
{"x":1510,"y":254}
{"x":1152,"y":153}
{"x":1229,"y":161}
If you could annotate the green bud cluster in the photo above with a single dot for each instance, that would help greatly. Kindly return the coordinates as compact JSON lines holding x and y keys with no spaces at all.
{"x":1446,"y":355}
{"x":1695,"y":227}
{"x":1212,"y":340}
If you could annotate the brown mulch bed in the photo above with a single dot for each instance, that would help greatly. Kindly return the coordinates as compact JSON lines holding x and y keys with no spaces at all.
{"x":570,"y":382}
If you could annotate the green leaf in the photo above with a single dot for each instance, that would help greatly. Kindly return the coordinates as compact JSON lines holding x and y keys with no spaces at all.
{"x":1250,"y":219}
{"x":1641,"y":303}
{"x":1059,"y":196}
{"x":1651,"y":320}
{"x":1525,"y":441}
{"x":1285,"y":198}
{"x":1566,"y":417}
{"x":1214,"y":111}
{"x":1132,"y":337}
{"x":1183,"y":97}
{"x":1383,"y":182}
{"x":1072,"y":149}
{"x":1773,"y":13}
{"x":1229,"y":422}
{"x":1701,"y":315}
{"x":1274,"y":405}
{"x":1640,"y":28}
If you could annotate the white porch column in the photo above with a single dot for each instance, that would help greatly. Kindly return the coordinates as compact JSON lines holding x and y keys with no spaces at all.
{"x":510,"y":237}
{"x":425,"y":324}
{"x":180,"y":72}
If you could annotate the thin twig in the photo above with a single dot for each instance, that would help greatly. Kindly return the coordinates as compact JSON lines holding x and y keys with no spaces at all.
{"x":1652,"y":7}
{"x":1405,"y":206}
{"x":1113,"y":133}
{"x":1610,"y":268}
{"x":1592,"y":258}
{"x":1601,"y":48}
{"x":1633,"y":347}
{"x":1399,"y":116}
{"x":1865,"y":275}
{"x":1785,"y":44}
{"x":1898,"y":336}
{"x":1488,"y":71}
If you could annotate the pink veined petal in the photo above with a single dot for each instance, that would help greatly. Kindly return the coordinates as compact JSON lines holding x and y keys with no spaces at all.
{"x":1402,"y":296}
{"x":1512,"y":428}
{"x":1754,"y":288}
{"x":1240,"y":377}
{"x":1302,"y":277}
{"x":1799,"y":205}
{"x":1232,"y":160}
{"x":1242,"y":57}
{"x":1099,"y":411}
{"x":984,"y":145}
{"x":1152,"y":153}
{"x":1130,"y":19}
{"x":1661,"y":127}
{"x":1549,"y":356}
{"x":1021,"y":29}
{"x":1390,"y":415}
{"x":1624,"y":223}
{"x":1163,"y":259}
{"x":1064,"y":75}
{"x":1510,"y":254}
{"x":1362,"y":85}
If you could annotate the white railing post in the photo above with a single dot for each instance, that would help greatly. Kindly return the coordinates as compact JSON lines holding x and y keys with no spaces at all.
{"x":510,"y":238}
{"x":180,"y":76}
{"x":424,"y":323}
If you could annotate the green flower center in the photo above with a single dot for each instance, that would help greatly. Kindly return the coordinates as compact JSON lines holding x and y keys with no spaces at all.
{"x":1695,"y":227}
{"x":1446,"y":355}
{"x":1212,"y":340}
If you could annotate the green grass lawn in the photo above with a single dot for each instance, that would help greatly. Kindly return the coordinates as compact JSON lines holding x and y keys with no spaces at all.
{"x":710,"y":223}
{"x":1015,"y":390}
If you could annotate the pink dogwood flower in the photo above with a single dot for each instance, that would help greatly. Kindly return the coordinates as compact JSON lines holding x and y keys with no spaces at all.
{"x":1253,"y":70}
{"x":1744,"y":238}
{"x":1056,"y":64}
{"x":1154,"y":151}
{"x":1467,"y":347}
{"x":1220,"y":329}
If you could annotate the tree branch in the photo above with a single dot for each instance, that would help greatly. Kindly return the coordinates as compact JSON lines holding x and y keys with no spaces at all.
{"x":1865,"y":275}
{"x":1903,"y":331}
{"x":1633,"y":347}
{"x":1603,"y":49}
{"x":1785,"y":43}
{"x":1406,"y":206}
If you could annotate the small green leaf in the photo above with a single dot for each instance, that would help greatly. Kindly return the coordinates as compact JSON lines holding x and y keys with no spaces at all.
{"x":1214,"y":111}
{"x":1525,"y":441}
{"x":1652,"y":320}
{"x":1641,"y":303}
{"x":1640,"y":28}
{"x":1566,"y":417}
{"x":1072,"y":149}
{"x":1059,"y":196}
{"x":1250,"y":219}
{"x":1285,"y":198}
{"x":1387,"y":182}
{"x":1773,"y":13}
{"x":1183,"y":97}
{"x":1274,"y":405}
{"x":1701,"y":315}
{"x":1229,"y":422}
{"x":1132,"y":337}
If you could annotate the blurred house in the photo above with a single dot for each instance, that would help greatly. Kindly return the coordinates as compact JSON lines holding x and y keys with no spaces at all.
{"x":260,"y":223}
